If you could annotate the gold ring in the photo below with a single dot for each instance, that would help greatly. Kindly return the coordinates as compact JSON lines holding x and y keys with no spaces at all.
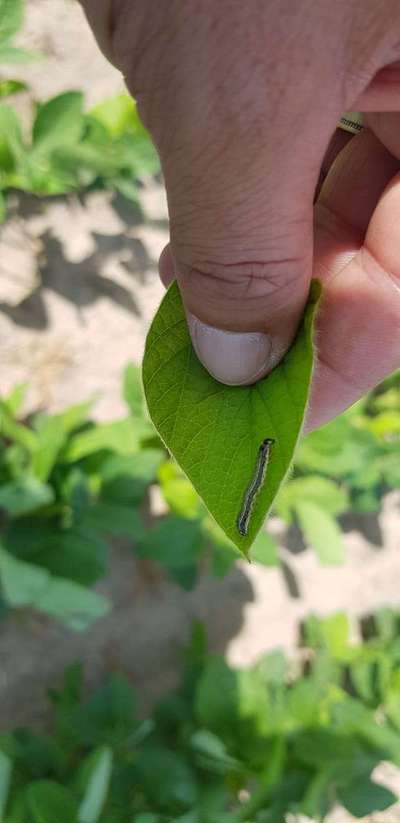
{"x":352,"y":121}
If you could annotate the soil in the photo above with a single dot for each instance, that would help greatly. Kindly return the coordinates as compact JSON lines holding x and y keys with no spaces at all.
{"x":78,"y":288}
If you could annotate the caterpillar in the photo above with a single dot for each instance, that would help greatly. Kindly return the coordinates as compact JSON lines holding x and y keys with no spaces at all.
{"x":254,"y":486}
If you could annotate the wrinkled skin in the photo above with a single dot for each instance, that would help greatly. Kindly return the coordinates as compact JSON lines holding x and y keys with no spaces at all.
{"x":242,"y":100}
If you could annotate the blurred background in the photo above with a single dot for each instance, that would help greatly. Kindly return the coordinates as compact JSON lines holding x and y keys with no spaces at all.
{"x":108,"y":557}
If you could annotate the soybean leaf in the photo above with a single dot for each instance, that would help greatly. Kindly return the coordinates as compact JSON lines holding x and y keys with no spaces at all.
{"x":16,"y":431}
{"x":97,"y":774}
{"x":48,"y":802}
{"x":174,"y":543}
{"x":74,"y":416}
{"x":106,"y":719}
{"x":265,"y":550}
{"x":121,"y":436}
{"x":132,"y":390}
{"x":319,"y":490}
{"x":363,"y":796}
{"x":117,"y":114}
{"x":178,"y":492}
{"x":16,"y":398}
{"x":322,"y":532}
{"x":14,"y":55}
{"x":76,"y":606}
{"x":22,"y":583}
{"x":3,"y":208}
{"x":11,"y":18}
{"x":51,"y":438}
{"x":58,"y":122}
{"x":140,"y":467}
{"x":8,"y":87}
{"x":111,"y":518}
{"x":25,"y":495}
{"x":5,"y":778}
{"x":337,"y":449}
{"x":74,"y":554}
{"x":176,"y":784}
{"x":215,"y":431}
{"x":331,"y":633}
{"x":35,"y":755}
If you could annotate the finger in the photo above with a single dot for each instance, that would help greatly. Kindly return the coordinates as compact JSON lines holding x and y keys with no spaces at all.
{"x":241,"y":249}
{"x":386,"y":126}
{"x":357,"y":256}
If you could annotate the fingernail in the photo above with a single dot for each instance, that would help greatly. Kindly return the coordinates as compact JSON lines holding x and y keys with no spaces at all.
{"x":234,"y":358}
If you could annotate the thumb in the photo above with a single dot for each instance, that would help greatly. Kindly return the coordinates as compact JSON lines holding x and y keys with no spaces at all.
{"x":241,"y":248}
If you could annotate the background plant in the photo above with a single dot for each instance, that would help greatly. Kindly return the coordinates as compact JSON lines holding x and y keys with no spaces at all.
{"x":68,"y":484}
{"x":67,"y":149}
{"x":226,"y":746}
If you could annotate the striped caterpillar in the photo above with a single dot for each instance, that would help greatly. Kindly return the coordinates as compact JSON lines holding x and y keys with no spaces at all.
{"x":254,"y":486}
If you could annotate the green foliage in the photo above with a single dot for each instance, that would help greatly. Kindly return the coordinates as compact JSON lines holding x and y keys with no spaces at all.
{"x":345,"y":466}
{"x":69,"y":149}
{"x":68,"y":485}
{"x":228,"y":746}
{"x":65,"y":483}
{"x":215,"y":431}
{"x":11,"y":20}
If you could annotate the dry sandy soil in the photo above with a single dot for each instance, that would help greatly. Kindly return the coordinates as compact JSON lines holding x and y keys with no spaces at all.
{"x":78,"y":287}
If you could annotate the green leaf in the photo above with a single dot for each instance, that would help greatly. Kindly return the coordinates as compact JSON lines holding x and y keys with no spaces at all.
{"x":215,"y":431}
{"x":176,"y":784}
{"x":110,"y":518}
{"x":98,"y":769}
{"x":8,"y":87}
{"x":76,"y":606}
{"x":362,"y":797}
{"x":69,"y":695}
{"x":362,"y":674}
{"x":122,"y":436}
{"x":22,"y":583}
{"x":49,"y":802}
{"x":15,"y":399}
{"x":5,"y":780}
{"x":217,"y":696}
{"x":106,"y":719}
{"x":51,"y":438}
{"x":74,"y":416}
{"x":175,"y":544}
{"x":35,"y":755}
{"x":331,"y":633}
{"x":322,"y":533}
{"x":178,"y":492}
{"x":25,"y":495}
{"x":16,"y":431}
{"x":133,"y":391}
{"x":75,"y":554}
{"x":319,"y":490}
{"x":265,"y":550}
{"x":212,"y":753}
{"x":140,"y":468}
{"x":337,"y":449}
{"x":138,"y":158}
{"x":3,"y":208}
{"x":117,"y":114}
{"x":15,"y":56}
{"x":11,"y":18}
{"x":59,"y":122}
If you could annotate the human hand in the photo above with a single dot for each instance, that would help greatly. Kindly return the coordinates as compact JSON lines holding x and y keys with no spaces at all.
{"x":242,"y":100}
